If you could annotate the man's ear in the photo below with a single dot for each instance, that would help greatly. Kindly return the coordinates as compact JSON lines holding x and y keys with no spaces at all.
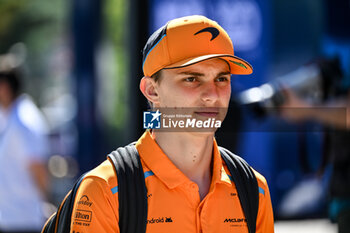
{"x":148,"y":89}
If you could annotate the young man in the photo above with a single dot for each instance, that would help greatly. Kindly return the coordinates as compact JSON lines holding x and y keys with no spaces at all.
{"x":187,"y":64}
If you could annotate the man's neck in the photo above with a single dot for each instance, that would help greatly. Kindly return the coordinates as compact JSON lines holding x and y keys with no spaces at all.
{"x":191,"y":154}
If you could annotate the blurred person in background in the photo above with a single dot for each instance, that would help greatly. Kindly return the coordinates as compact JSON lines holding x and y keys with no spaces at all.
{"x":296,"y":109}
{"x":23,"y":153}
{"x":333,"y":112}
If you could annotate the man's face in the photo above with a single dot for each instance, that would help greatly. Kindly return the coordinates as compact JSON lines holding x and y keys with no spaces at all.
{"x":204,"y":87}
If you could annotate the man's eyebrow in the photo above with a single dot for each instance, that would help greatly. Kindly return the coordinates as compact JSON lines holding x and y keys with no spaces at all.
{"x":201,"y":74}
{"x":191,"y":73}
{"x":224,"y":73}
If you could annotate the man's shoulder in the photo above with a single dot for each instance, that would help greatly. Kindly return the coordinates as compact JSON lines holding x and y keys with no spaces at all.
{"x":103,"y":173}
{"x":262,"y":183}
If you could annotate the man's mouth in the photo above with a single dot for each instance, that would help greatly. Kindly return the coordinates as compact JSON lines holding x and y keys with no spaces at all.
{"x":211,"y":113}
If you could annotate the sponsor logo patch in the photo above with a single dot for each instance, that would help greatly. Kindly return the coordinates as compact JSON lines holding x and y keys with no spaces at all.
{"x":84,"y":200}
{"x":83,"y":215}
{"x":159,"y":220}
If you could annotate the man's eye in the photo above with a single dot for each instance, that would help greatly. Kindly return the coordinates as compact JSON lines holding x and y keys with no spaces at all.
{"x":222,"y":79}
{"x":190,"y":79}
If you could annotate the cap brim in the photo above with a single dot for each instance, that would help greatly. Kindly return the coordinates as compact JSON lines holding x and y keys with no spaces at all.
{"x":237,"y":65}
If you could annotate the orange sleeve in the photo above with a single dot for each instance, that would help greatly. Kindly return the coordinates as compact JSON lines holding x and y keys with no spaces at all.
{"x":265,"y":220}
{"x":95,"y":207}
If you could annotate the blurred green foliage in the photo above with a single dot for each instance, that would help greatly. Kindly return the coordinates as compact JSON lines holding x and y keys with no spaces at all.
{"x":116,"y":30}
{"x":44,"y":27}
{"x":22,"y":19}
{"x":39,"y":24}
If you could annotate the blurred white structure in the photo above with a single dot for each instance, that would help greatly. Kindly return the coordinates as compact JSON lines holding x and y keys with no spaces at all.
{"x":306,"y":226}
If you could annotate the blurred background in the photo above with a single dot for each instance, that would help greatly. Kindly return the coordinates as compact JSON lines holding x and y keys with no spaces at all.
{"x":81,"y":63}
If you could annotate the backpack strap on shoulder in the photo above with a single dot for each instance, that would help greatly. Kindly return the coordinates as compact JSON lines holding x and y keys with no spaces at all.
{"x":246,"y":184}
{"x":132,"y":190}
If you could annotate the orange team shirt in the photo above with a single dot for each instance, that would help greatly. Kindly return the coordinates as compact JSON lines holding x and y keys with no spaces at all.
{"x":174,"y":204}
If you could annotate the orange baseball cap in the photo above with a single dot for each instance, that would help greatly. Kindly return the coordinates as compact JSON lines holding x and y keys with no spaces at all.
{"x":188,"y":40}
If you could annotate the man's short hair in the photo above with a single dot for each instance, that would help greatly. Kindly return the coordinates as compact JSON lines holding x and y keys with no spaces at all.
{"x":157,"y":78}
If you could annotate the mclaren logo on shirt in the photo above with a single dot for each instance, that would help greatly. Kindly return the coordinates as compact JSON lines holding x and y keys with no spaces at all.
{"x":235,"y":220}
{"x":159,"y":220}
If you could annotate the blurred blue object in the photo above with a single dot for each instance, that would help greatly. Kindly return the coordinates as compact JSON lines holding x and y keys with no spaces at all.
{"x":307,"y":198}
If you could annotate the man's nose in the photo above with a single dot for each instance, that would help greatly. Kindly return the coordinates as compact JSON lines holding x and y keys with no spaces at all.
{"x":210,"y":92}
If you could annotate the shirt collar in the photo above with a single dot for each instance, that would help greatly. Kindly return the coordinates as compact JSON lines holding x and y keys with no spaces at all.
{"x":158,"y":162}
{"x":219,"y":173}
{"x":155,"y":159}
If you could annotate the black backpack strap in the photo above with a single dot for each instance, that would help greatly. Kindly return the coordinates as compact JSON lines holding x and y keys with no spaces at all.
{"x":60,"y":222}
{"x":246,"y":184}
{"x":132,"y":190}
